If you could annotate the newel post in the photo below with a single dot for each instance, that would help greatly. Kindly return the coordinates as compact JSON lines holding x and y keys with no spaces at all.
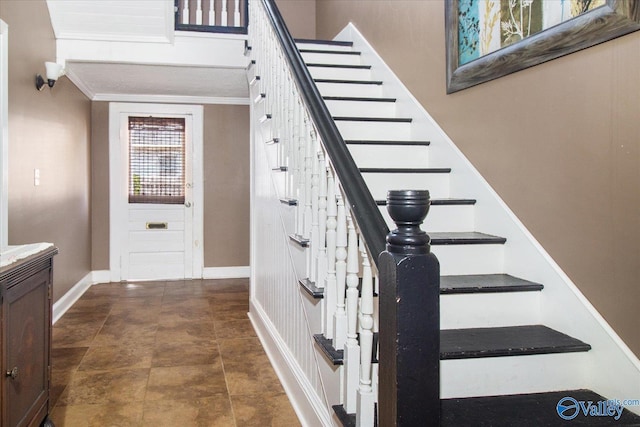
{"x":409,"y":392}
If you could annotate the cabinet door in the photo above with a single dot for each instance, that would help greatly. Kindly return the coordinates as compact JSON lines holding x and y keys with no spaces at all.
{"x":27,"y":349}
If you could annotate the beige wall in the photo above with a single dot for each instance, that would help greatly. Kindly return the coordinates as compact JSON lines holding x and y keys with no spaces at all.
{"x":48,"y":130}
{"x":100,"y":185}
{"x":226,"y":185}
{"x":300,"y":17}
{"x":560,"y":142}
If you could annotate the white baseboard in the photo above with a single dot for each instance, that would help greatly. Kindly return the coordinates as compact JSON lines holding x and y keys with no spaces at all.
{"x":311,"y":411}
{"x":226,"y":272}
{"x":100,"y":276}
{"x":65,"y":302}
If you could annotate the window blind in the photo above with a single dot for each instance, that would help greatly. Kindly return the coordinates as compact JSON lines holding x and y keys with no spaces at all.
{"x":156,"y":160}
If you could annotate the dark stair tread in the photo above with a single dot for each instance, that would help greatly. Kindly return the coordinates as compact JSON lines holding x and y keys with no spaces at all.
{"x":311,"y":288}
{"x":464,"y":238}
{"x":434,"y":202}
{"x":327,"y":42}
{"x":522,"y":410}
{"x":464,"y":284}
{"x":385,"y":142}
{"x":440,"y":202}
{"x":373,"y":119}
{"x":526,"y":410}
{"x":346,"y":419}
{"x":358,"y":98}
{"x":329,"y":52}
{"x":350,"y":66}
{"x":299,"y":240}
{"x":326,"y":345}
{"x":405,"y":170}
{"x":476,"y":343}
{"x":486,"y":283}
{"x":354,"y":82}
{"x":506,"y":341}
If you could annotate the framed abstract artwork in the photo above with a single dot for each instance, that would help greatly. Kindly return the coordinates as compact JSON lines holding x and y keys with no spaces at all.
{"x":487,"y":39}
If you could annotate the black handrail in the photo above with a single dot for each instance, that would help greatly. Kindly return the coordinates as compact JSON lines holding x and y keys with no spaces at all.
{"x":363,"y":207}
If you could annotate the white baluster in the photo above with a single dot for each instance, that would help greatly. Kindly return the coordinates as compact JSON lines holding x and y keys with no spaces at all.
{"x":185,"y":12}
{"x":321,"y":260}
{"x":236,"y":14}
{"x":315,"y":195}
{"x":340,"y":316}
{"x":291,"y":139}
{"x":330,"y":282}
{"x":351,"y":348}
{"x":366,"y":399}
{"x":308,"y":172}
{"x":223,"y":14}
{"x":199,"y":12}
{"x":376,"y":328}
{"x":212,"y":17}
{"x":299,"y":182}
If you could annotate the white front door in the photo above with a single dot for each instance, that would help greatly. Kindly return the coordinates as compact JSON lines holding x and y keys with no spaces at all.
{"x":157,"y":196}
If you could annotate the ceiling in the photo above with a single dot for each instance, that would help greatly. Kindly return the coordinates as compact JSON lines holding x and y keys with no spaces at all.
{"x":112,"y":82}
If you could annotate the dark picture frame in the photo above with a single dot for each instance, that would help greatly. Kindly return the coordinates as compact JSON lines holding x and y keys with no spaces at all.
{"x":614,"y":19}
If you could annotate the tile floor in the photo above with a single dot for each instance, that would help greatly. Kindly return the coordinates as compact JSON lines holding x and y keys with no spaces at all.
{"x":178,"y":353}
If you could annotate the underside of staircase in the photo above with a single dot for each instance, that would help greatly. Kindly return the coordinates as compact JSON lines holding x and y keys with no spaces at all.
{"x":390,"y":157}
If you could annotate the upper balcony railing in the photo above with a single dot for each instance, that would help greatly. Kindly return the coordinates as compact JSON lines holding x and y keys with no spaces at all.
{"x":213,"y":16}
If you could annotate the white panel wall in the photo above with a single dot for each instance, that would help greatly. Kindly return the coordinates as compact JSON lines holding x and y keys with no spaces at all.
{"x":278,"y":305}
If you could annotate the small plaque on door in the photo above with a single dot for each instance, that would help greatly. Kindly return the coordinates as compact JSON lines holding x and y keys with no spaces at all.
{"x":157,"y":226}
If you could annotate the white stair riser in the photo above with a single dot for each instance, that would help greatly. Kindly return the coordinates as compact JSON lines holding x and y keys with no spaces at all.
{"x":340,"y":73}
{"x":492,"y":376}
{"x":328,"y":58}
{"x":346,"y":89}
{"x":469,"y":259}
{"x":361,"y":108}
{"x":299,"y":258}
{"x":390,"y":156}
{"x":251,"y":73}
{"x":288,"y":214}
{"x":489,"y":310}
{"x":331,"y":377}
{"x":265,"y":129}
{"x":337,"y":48}
{"x":254,"y":93}
{"x":313,"y":308}
{"x":374,"y":130}
{"x":442,"y":218}
{"x":280,"y":181}
{"x":380,"y":183}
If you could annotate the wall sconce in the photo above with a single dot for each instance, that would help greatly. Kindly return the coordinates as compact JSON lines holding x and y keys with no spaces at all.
{"x":54,"y":71}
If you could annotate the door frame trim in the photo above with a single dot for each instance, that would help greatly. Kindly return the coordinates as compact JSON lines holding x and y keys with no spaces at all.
{"x":118,"y":200}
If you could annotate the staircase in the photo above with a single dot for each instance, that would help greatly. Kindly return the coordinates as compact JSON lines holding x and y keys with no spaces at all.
{"x":516,"y":336}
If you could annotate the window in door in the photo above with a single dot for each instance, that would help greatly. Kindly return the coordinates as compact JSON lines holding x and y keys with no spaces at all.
{"x":156,"y":160}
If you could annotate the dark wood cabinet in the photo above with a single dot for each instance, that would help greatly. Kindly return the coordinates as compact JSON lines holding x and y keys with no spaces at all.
{"x":25,"y":330}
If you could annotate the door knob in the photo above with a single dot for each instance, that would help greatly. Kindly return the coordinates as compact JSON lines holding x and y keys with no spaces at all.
{"x":13,"y":373}
{"x":187,"y":204}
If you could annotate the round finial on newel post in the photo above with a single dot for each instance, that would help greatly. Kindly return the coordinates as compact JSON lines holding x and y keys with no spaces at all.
{"x":408,"y":209}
